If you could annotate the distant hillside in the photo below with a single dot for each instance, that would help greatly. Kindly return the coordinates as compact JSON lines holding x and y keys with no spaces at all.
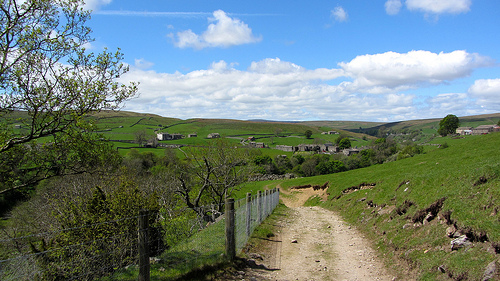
{"x":433,"y":124}
{"x":122,"y":126}
{"x":344,"y":125}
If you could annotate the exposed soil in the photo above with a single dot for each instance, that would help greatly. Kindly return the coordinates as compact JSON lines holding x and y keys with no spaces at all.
{"x":315,"y":244}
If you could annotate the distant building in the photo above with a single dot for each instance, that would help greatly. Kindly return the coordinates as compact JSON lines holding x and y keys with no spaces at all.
{"x":163,"y":136}
{"x":167,"y":136}
{"x":483,"y":129}
{"x":177,"y":136}
{"x":308,"y":147}
{"x":329,"y":148}
{"x":288,"y":148}
{"x":213,"y":136}
{"x":257,"y":144}
{"x":350,"y":151}
{"x":464,"y":131}
{"x":192,"y":136}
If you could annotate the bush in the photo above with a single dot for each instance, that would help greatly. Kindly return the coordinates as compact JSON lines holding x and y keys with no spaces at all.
{"x":410,"y":151}
{"x":90,"y":226}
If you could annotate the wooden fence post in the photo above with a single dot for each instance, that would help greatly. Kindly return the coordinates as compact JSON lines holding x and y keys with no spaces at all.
{"x":249,"y":213}
{"x":230,"y":230}
{"x":259,"y":206}
{"x":266,"y":203}
{"x":143,"y":245}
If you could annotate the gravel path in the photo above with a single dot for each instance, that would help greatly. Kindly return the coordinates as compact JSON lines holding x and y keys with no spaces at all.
{"x":315,"y":244}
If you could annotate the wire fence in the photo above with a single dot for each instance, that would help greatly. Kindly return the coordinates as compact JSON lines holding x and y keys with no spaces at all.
{"x":171,"y":242}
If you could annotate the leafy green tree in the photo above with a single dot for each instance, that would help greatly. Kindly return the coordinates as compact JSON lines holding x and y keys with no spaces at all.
{"x":308,"y":134}
{"x":330,"y":167}
{"x":383,"y":148}
{"x":297,"y":159}
{"x":262,"y":160}
{"x":49,"y":83}
{"x":344,"y":143}
{"x":308,"y":168}
{"x":448,"y":125}
{"x":283,"y":164}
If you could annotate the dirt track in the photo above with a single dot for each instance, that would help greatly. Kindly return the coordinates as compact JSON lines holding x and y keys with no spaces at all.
{"x":315,"y":244}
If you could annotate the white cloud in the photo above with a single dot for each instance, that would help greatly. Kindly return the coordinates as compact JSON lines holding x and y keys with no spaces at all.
{"x":339,"y":14}
{"x":222,"y":32}
{"x":366,"y":88}
{"x":487,"y":93}
{"x":439,"y":6}
{"x":143,"y":64}
{"x":94,"y":5}
{"x":392,"y":7}
{"x":442,"y":104}
{"x":398,"y":71}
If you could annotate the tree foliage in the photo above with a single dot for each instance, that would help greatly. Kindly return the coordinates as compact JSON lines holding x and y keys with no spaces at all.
{"x":308,"y":134}
{"x":448,"y":125}
{"x":89,"y":224}
{"x":344,"y":143}
{"x":48,"y":84}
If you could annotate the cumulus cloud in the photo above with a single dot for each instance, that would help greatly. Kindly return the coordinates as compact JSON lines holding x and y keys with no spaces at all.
{"x":94,"y":5}
{"x":339,"y":14}
{"x":439,"y":7}
{"x":374,"y":87}
{"x":487,"y":93}
{"x":222,"y":32}
{"x":392,"y":7}
{"x":143,"y":64}
{"x":458,"y":103}
{"x":401,"y":71}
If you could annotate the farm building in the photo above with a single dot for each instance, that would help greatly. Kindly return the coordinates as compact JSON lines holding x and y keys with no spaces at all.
{"x":288,"y":148}
{"x":257,"y":144}
{"x":308,"y":147}
{"x":350,"y":151}
{"x":167,"y":136}
{"x":464,"y":130}
{"x":213,"y":136}
{"x":483,"y":129}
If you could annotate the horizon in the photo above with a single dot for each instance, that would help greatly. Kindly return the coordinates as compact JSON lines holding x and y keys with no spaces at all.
{"x":294,"y":121}
{"x":383,"y":61}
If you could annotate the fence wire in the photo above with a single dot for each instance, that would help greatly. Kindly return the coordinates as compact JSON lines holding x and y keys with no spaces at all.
{"x":178,"y":240}
{"x":249,"y":215}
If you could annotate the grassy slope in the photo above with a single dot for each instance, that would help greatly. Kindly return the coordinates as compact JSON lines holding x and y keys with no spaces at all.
{"x":122,"y":126}
{"x":431,"y":125}
{"x":450,"y":173}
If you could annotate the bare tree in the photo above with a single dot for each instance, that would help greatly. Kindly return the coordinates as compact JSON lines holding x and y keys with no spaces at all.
{"x":210,"y":175}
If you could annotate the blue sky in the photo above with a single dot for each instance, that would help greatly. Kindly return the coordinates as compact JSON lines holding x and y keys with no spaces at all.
{"x":360,"y":60}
